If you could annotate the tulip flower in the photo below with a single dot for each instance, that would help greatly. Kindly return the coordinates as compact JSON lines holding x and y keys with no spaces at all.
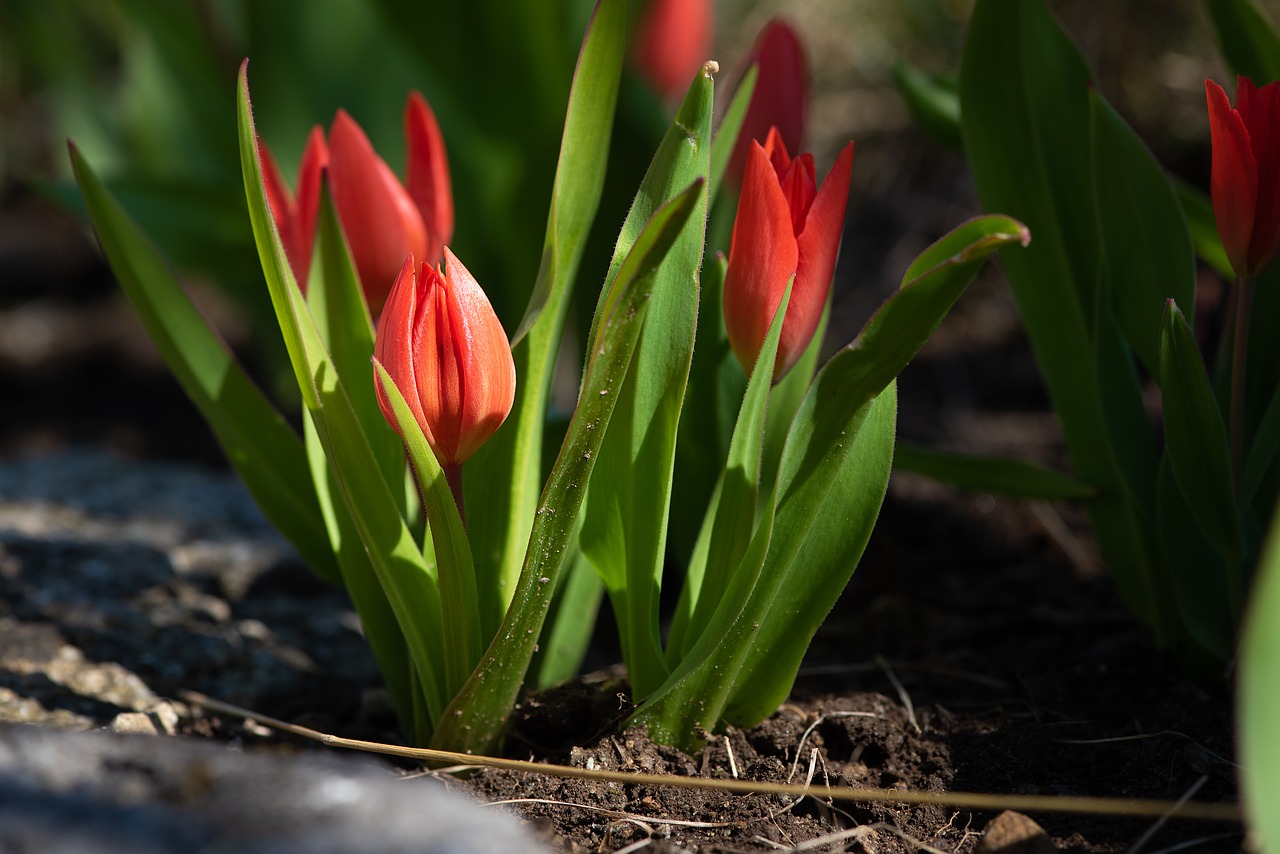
{"x":672,"y":42}
{"x":383,"y":220}
{"x":1246,"y":172}
{"x":786,"y":225}
{"x":444,"y":347}
{"x":781,"y":95}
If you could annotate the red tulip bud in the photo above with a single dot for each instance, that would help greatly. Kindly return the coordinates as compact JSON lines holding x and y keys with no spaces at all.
{"x":781,"y":96}
{"x":672,"y":42}
{"x":786,"y":226}
{"x":444,"y":347}
{"x":1246,"y":172}
{"x":381,"y":219}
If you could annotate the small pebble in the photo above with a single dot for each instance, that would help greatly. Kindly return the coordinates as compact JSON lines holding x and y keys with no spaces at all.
{"x":1014,"y":833}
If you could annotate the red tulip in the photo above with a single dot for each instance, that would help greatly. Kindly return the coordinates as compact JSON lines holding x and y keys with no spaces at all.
{"x":441,"y":342}
{"x":781,"y":95}
{"x":672,"y":42}
{"x":381,"y":219}
{"x":1246,"y":172}
{"x":786,"y":225}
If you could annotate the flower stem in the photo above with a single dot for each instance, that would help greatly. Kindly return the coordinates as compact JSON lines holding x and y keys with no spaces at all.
{"x":1240,"y":352}
{"x":453,"y":476}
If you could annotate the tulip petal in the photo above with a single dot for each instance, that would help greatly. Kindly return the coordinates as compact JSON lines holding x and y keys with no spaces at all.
{"x":427,"y":175}
{"x":819,"y":244}
{"x":1259,"y":109}
{"x":489,"y":372}
{"x":394,"y":345}
{"x":762,"y":258}
{"x":315,"y":160}
{"x":800,"y":187}
{"x":775,"y":148}
{"x":1234,"y":181}
{"x":381,"y":223}
{"x":782,"y":92}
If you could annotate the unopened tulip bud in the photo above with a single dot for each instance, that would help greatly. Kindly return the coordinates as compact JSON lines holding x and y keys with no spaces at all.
{"x":786,"y":225}
{"x":444,"y":347}
{"x":1246,"y":173}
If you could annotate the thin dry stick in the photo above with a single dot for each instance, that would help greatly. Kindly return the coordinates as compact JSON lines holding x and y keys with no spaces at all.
{"x":902,"y":693}
{"x":1163,"y":820}
{"x":627,"y":816}
{"x":1137,"y":807}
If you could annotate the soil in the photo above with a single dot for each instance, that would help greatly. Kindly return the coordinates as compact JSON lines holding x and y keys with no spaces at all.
{"x":979,"y":647}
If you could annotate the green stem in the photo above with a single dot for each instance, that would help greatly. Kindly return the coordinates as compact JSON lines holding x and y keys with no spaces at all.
{"x":1244,"y":300}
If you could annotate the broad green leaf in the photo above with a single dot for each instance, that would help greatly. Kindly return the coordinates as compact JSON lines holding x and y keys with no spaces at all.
{"x":406,"y":580}
{"x":506,"y":473}
{"x":266,"y":453}
{"x":1249,"y":43}
{"x":624,"y":530}
{"x":727,"y":524}
{"x":1198,"y":211}
{"x":839,"y":525}
{"x":996,"y":475}
{"x":1262,"y":453}
{"x":1194,"y":434}
{"x":932,"y":100}
{"x":1025,"y":114}
{"x":454,"y":569}
{"x":1258,"y":700}
{"x":841,"y":399}
{"x":1146,"y":248}
{"x":1196,"y":570}
{"x":476,"y":717}
{"x":712,"y":400}
{"x":787,"y":396}
{"x":341,"y":315}
{"x":570,"y":623}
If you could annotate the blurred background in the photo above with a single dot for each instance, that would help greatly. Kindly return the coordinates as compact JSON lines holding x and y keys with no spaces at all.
{"x":146,"y":90}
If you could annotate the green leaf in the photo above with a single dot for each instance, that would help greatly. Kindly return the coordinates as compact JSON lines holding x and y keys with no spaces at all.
{"x":995,"y":475}
{"x":1262,"y":453}
{"x":341,"y":315}
{"x":932,"y":101}
{"x":1196,"y":570}
{"x":405,"y":579}
{"x":844,"y":397}
{"x":726,"y":138}
{"x":506,"y":473}
{"x":1146,"y":246}
{"x":476,"y":717}
{"x":1026,"y":117}
{"x":1198,"y":211}
{"x":570,"y":623}
{"x":839,"y":523}
{"x":1195,"y":435}
{"x":624,"y":530}
{"x":1258,"y":700}
{"x":1249,"y":44}
{"x":727,"y":525}
{"x":454,"y":569}
{"x":266,"y":453}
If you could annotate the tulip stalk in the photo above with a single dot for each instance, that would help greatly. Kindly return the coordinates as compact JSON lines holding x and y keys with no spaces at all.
{"x":1239,"y":360}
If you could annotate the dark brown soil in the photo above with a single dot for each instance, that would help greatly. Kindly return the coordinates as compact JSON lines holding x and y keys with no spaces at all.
{"x":978,"y":648}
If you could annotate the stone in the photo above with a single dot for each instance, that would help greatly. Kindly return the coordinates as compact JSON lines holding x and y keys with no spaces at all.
{"x":1014,"y":833}
{"x":97,"y":792}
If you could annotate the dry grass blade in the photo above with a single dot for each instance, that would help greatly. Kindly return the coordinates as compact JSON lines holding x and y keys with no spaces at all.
{"x":1134,"y":807}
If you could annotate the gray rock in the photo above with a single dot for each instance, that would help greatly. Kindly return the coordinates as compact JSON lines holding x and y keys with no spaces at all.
{"x":93,"y":792}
